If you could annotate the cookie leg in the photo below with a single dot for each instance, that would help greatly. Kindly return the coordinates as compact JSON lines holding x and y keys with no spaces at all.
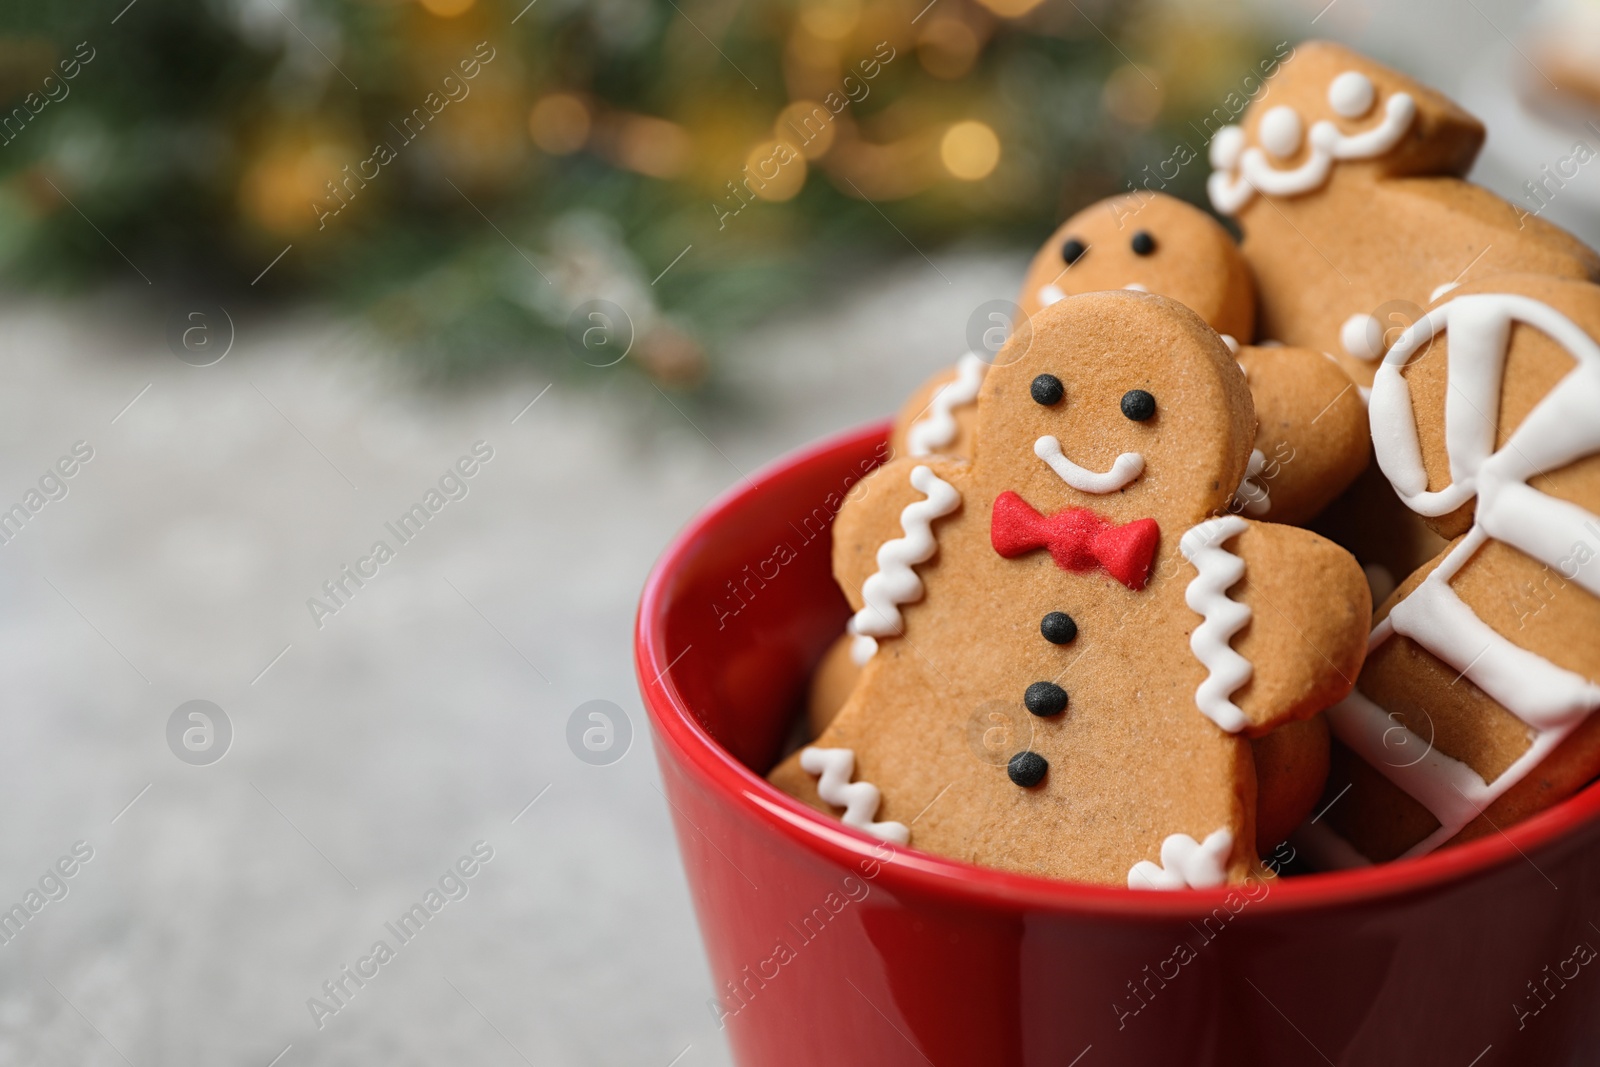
{"x":830,"y":686}
{"x":1311,"y":433}
{"x":1291,"y":767}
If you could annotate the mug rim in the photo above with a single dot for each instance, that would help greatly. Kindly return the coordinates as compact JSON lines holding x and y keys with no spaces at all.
{"x":693,"y":749}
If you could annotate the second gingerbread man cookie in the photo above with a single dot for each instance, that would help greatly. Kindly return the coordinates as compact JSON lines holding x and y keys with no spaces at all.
{"x":1311,"y":441}
{"x":1077,"y":572}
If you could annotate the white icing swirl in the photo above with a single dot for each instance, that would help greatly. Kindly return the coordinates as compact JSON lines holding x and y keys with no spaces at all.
{"x":859,"y":800}
{"x":1218,"y":570}
{"x":895,"y":583}
{"x":1124,"y":469}
{"x":1186,"y":863}
{"x":937,"y":428}
{"x":1242,"y":170}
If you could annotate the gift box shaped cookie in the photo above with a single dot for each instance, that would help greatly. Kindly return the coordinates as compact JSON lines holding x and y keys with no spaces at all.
{"x":1475,"y":704}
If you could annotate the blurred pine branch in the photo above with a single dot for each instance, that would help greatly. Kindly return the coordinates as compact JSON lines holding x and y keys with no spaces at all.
{"x":570,"y":149}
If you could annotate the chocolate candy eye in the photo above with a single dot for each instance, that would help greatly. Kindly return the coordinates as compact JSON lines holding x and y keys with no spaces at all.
{"x":1027,"y":769}
{"x":1072,"y":251}
{"x":1138,"y":405}
{"x":1143,"y":244}
{"x":1047,"y":390}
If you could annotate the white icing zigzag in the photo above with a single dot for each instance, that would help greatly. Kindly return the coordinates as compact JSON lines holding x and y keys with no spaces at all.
{"x":858,"y":799}
{"x":1242,"y":170}
{"x":1186,"y":863}
{"x":937,"y":428}
{"x":1207,"y":593}
{"x":895,"y":583}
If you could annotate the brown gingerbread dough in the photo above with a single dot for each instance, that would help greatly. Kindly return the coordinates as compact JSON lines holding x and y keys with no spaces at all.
{"x":1291,"y":762}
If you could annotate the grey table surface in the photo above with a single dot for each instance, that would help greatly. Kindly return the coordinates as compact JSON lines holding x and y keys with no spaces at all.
{"x":368,"y":755}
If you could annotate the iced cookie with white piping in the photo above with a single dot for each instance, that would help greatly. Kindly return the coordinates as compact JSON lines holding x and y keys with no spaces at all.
{"x":1091,"y":584}
{"x":1347,"y":179}
{"x":1475,"y":707}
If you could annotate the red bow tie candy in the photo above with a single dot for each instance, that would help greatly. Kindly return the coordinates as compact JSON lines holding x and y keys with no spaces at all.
{"x":1078,"y":539}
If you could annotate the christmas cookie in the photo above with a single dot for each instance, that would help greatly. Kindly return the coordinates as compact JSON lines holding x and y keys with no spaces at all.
{"x":1474,"y":706}
{"x":1311,"y":441}
{"x":1346,"y":178}
{"x":1082,"y":574}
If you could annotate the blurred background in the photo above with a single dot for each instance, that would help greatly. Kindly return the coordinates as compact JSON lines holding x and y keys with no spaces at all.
{"x":281,"y":269}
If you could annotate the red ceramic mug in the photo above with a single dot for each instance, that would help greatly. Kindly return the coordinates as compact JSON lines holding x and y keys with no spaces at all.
{"x":829,"y":948}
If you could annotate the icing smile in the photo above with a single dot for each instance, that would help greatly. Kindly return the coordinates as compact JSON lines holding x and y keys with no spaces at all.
{"x":1124,"y":469}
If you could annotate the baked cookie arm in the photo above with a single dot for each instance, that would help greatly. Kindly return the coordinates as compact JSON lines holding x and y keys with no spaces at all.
{"x":1265,"y":594}
{"x":1312,"y":438}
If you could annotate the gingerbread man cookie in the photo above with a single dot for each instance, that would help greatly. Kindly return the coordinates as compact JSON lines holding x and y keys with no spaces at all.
{"x":1346,"y":178}
{"x":1474,"y":706}
{"x":1082,"y":572}
{"x":1311,"y":441}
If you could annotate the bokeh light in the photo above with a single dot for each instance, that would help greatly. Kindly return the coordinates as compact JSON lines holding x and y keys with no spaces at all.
{"x":1010,"y":9}
{"x":831,"y":20}
{"x":947,"y":48}
{"x":808,"y":126}
{"x":970,"y":150}
{"x":447,"y":9}
{"x":559,"y":123}
{"x":651,"y":146}
{"x":777,"y":170}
